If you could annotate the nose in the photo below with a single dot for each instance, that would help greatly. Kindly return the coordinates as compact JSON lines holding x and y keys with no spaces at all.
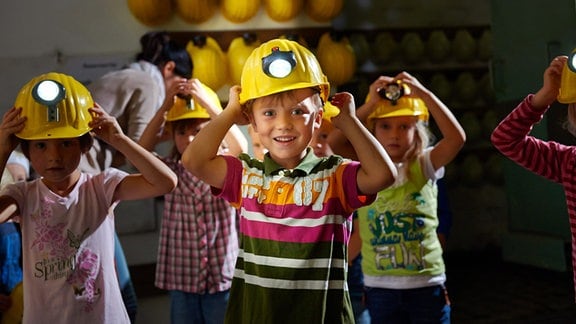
{"x":395,"y":132}
{"x":53,"y":153}
{"x":284,"y":121}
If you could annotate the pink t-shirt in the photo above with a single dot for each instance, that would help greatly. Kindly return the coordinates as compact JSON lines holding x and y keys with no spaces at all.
{"x":68,"y":251}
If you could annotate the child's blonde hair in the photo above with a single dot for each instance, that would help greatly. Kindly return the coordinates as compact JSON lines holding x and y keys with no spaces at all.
{"x":423,"y":139}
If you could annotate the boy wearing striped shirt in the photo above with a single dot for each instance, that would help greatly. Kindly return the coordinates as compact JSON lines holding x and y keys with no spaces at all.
{"x":295,"y":208}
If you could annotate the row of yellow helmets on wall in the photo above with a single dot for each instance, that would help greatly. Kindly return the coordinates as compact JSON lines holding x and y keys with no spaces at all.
{"x":154,"y":12}
{"x":215,"y":68}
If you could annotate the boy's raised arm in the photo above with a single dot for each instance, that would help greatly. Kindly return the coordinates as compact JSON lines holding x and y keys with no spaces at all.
{"x":201,"y":156}
{"x":377,"y":171}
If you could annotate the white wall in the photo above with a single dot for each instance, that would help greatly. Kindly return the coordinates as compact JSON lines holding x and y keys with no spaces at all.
{"x":38,"y":36}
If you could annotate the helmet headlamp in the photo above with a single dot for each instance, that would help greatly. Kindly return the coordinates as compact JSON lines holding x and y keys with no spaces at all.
{"x":49,"y":93}
{"x":279,"y":64}
{"x":392,"y":91}
{"x":572,"y":61}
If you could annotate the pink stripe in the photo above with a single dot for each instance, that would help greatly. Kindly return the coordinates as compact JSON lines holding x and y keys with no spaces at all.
{"x":295,"y":234}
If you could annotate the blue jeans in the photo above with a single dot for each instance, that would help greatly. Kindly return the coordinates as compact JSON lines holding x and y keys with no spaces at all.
{"x":188,"y":308}
{"x":421,"y":305}
{"x":361,"y":314}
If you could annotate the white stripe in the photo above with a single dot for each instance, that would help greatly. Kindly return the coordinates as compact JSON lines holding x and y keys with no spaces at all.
{"x":288,"y":221}
{"x":291,"y":263}
{"x":290,"y":284}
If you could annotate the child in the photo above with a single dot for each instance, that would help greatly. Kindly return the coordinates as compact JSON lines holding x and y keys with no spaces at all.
{"x":295,"y":208}
{"x":549,"y":159}
{"x":402,"y":262}
{"x":66,"y":215}
{"x":198,"y":237}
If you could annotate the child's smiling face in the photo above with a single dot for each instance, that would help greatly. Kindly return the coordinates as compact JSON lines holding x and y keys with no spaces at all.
{"x":285,"y":123}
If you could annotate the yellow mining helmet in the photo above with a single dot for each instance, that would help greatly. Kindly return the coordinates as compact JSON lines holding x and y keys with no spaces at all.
{"x":189,"y":108}
{"x":56,"y":106}
{"x":398,"y":105}
{"x":280,"y":65}
{"x":567,"y":93}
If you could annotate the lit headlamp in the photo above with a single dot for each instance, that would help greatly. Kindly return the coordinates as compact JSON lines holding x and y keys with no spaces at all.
{"x":279,"y":64}
{"x":392,"y":91}
{"x":49,"y":93}
{"x":572,"y":61}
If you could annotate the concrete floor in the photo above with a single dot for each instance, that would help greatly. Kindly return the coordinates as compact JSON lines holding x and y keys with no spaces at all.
{"x":483,"y":289}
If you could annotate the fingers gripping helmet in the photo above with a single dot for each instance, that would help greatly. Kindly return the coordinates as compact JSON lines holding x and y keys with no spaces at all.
{"x":189,"y":108}
{"x":56,"y":106}
{"x":403,"y":106}
{"x":330,"y":111}
{"x":281,"y":65}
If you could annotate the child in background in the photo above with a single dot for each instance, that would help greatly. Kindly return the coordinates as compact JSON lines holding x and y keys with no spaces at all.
{"x":549,"y":159}
{"x":65,"y":215}
{"x":198,"y":237}
{"x":295,"y":208}
{"x":402,"y":262}
{"x":258,"y":150}
{"x":17,"y":169}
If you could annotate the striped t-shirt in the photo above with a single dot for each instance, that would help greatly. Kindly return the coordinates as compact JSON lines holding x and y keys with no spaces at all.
{"x":294,"y":229}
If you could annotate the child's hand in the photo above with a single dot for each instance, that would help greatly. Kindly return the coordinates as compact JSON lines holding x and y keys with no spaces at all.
{"x":103,"y":125}
{"x":12,"y":123}
{"x":345,"y":103}
{"x":417,"y":90}
{"x":177,"y":86}
{"x":551,"y":84}
{"x":200,"y":95}
{"x":241,"y":115}
{"x":375,"y":87}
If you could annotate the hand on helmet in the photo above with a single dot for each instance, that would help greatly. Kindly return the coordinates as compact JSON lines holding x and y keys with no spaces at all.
{"x":103,"y":125}
{"x":344,"y":101}
{"x":11,"y":124}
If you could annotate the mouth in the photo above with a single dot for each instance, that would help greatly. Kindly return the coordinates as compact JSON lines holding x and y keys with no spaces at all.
{"x":55,"y":169}
{"x":284,"y":139}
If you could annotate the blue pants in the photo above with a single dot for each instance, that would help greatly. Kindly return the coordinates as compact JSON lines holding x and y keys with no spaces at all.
{"x":421,"y":305}
{"x":189,"y":308}
{"x":10,"y":254}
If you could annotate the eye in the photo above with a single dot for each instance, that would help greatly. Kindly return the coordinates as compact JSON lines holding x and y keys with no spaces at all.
{"x":268,"y":113}
{"x":67,"y":143}
{"x":40,"y":145}
{"x":384,"y":126}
